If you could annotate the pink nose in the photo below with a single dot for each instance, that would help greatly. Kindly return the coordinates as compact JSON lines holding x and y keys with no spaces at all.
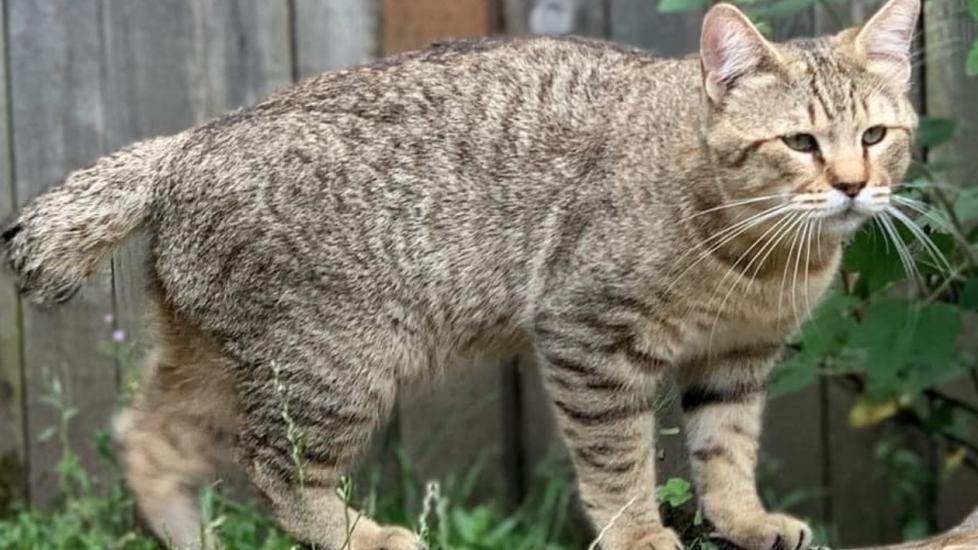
{"x":850,"y":189}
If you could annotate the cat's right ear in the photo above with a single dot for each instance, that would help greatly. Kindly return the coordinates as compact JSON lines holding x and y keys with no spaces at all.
{"x":731,"y":47}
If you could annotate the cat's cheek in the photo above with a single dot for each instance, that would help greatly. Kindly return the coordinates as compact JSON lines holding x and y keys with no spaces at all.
{"x":894,"y":159}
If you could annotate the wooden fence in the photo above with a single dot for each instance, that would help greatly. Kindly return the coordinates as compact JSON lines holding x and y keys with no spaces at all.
{"x":84,"y":77}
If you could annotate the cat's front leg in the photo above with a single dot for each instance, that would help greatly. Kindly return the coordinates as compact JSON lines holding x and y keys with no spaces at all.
{"x":722,"y":400}
{"x":605,"y":414}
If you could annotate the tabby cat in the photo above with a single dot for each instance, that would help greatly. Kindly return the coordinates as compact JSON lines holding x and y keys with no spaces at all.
{"x":620,"y":216}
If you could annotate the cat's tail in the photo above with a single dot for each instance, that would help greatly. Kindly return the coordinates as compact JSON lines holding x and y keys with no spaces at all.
{"x":57,"y":240}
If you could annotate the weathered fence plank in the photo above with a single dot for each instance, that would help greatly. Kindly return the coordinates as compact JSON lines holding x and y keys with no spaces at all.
{"x":949,"y":32}
{"x":148,"y":68}
{"x":639,"y":23}
{"x":333,"y":35}
{"x":12,"y":445}
{"x":173,"y":64}
{"x":57,"y":100}
{"x":448,"y":427}
{"x":415,"y":24}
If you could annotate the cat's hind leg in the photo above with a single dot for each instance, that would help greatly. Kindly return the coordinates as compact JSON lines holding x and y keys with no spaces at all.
{"x":177,"y":434}
{"x":307,"y":415}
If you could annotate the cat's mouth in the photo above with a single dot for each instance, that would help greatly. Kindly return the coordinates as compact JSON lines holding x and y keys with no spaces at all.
{"x":847,"y":211}
{"x":846,"y":218}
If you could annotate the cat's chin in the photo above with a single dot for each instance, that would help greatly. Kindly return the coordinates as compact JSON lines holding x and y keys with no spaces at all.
{"x":845,"y":224}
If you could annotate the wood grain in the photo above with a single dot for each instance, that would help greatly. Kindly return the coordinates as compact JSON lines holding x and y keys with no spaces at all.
{"x":57,"y":102}
{"x":334,"y":34}
{"x":13,"y":451}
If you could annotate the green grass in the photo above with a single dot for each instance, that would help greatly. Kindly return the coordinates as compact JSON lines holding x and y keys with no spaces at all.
{"x":446,"y":514}
{"x":102,"y":516}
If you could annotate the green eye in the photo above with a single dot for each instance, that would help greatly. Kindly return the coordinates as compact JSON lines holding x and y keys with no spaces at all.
{"x":804,"y":143}
{"x":874,"y":135}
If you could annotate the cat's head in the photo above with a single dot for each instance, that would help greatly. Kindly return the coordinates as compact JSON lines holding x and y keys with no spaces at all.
{"x":824,"y":126}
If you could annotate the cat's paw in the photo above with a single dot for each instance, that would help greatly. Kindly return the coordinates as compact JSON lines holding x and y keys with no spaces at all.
{"x":389,"y":538}
{"x":663,"y":539}
{"x":768,"y":532}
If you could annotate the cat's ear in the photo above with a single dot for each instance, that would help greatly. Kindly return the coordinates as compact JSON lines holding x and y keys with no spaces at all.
{"x":731,"y":47}
{"x":884,"y":42}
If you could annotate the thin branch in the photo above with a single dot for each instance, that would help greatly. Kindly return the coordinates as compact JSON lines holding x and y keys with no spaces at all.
{"x":956,"y":224}
{"x":951,"y":277}
{"x":951,"y":401}
{"x":911,"y":418}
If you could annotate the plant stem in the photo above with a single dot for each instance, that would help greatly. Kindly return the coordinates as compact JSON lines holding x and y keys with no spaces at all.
{"x":956,"y":224}
{"x":935,"y":394}
{"x":911,"y":418}
{"x":951,"y":277}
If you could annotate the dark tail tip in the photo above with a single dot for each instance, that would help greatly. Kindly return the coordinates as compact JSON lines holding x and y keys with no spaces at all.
{"x":11,"y":232}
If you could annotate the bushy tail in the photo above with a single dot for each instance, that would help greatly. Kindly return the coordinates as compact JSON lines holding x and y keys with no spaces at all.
{"x":58,"y":239}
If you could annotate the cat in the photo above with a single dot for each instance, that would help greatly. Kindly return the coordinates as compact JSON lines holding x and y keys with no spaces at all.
{"x":619,"y":216}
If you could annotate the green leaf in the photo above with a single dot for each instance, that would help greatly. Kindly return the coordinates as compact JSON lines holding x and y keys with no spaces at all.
{"x":873,"y":256}
{"x":973,"y":9}
{"x":971,"y":63}
{"x":966,"y":204}
{"x":934,"y":131}
{"x":969,"y":295}
{"x":792,"y":376}
{"x":47,"y":433}
{"x":908,"y":347}
{"x":675,"y":492}
{"x":824,"y":335}
{"x":676,"y":6}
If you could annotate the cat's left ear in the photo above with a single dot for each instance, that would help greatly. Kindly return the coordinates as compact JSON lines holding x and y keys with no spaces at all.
{"x":885,"y":41}
{"x":731,"y":48}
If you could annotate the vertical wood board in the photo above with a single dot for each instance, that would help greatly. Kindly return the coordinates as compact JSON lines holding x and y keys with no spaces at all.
{"x":57,"y":100}
{"x":410,"y":25}
{"x":639,"y":23}
{"x":170,"y":65}
{"x":333,"y":35}
{"x":13,"y":454}
{"x":949,"y":33}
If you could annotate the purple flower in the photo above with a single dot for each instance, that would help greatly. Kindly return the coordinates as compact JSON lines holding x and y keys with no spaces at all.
{"x":108,"y":318}
{"x":118,"y":336}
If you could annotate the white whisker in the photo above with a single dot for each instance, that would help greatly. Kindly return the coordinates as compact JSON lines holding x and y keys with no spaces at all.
{"x":909,"y":267}
{"x":735,"y":204}
{"x":787,"y":263}
{"x":738,"y":229}
{"x":776,"y":226}
{"x":803,"y":234}
{"x":924,"y":209}
{"x":924,"y":239}
{"x":886,"y":242}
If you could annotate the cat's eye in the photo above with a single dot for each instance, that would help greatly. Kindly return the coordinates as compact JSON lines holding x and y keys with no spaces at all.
{"x":803,"y":143}
{"x":874,"y":135}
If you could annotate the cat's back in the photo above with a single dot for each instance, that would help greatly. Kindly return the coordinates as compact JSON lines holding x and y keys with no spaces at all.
{"x":418,"y":177}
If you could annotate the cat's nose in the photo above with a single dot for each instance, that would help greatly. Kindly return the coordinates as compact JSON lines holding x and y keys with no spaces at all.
{"x":850,"y":188}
